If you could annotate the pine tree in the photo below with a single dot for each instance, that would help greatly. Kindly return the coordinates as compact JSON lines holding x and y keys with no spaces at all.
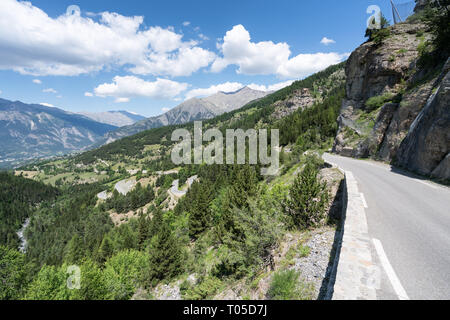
{"x":143,"y":230}
{"x":74,"y":250}
{"x":200,"y":214}
{"x":244,"y":185}
{"x":105,"y":251}
{"x":308,"y":198}
{"x":166,"y":255}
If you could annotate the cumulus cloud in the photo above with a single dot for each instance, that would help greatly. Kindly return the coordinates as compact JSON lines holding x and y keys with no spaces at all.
{"x":327,"y":41}
{"x":49,"y":90}
{"x":272,"y":87}
{"x":234,"y":86}
{"x":33,"y":43}
{"x":186,"y":23}
{"x":88,"y":94}
{"x":306,"y":64}
{"x":37,"y":81}
{"x":267,"y":57}
{"x":124,"y":88}
{"x":165,"y":109}
{"x":252,"y":58}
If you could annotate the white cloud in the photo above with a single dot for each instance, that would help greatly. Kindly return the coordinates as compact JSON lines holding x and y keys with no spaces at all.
{"x":306,"y":64}
{"x":224,"y":87}
{"x":122,"y":100}
{"x":267,"y":57}
{"x":272,"y":87}
{"x":235,"y":86}
{"x":123,"y":88}
{"x":31,"y":42}
{"x":327,"y":41}
{"x":203,"y":37}
{"x":165,"y":109}
{"x":37,"y":81}
{"x":49,"y":90}
{"x":186,"y":23}
{"x":45,"y":104}
{"x":252,"y":58}
{"x":186,"y":61}
{"x":88,"y":94}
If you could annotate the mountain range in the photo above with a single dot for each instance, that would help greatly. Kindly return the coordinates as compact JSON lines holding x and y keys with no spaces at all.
{"x":191,"y":110}
{"x":30,"y":131}
{"x":115,"y":118}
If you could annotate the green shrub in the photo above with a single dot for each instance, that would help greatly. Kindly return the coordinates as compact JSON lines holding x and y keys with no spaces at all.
{"x":207,"y":288}
{"x":304,"y":251}
{"x":124,"y":273}
{"x":380,"y":35}
{"x":376,"y":102}
{"x":286,"y":285}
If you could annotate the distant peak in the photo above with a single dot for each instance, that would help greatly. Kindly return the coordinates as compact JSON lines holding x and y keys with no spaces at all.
{"x":243,"y":89}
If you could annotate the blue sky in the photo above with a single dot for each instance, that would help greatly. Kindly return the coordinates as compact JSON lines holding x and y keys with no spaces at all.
{"x":107,"y":58}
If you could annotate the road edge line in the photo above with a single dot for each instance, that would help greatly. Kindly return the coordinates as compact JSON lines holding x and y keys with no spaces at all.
{"x":355,"y":274}
{"x":395,"y":281}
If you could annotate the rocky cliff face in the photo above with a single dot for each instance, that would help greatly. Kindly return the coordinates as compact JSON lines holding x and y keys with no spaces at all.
{"x":386,"y":93}
{"x":426,"y":148}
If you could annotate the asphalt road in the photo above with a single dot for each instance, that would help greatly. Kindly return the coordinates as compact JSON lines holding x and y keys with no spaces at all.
{"x":411,"y":218}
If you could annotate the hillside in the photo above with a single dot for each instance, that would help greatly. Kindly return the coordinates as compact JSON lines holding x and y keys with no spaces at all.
{"x":281,"y":108}
{"x":114,"y":118}
{"x":33,"y":131}
{"x":191,"y":110}
{"x":199,"y":220}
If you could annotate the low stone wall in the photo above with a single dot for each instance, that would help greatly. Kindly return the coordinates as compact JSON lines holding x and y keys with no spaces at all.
{"x":355,"y":274}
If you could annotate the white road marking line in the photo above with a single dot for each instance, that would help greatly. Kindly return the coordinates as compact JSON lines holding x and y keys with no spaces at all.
{"x":426,"y":183}
{"x":401,"y":293}
{"x":364,"y":200}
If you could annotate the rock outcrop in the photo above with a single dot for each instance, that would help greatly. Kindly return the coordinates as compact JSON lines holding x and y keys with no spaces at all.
{"x":300,"y":100}
{"x":304,"y":98}
{"x":394,"y":110}
{"x":426,"y":148}
{"x":380,"y":70}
